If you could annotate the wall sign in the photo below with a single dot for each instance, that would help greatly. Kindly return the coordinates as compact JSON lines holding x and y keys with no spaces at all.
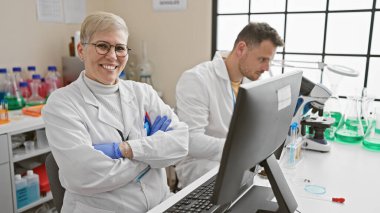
{"x":169,"y":5}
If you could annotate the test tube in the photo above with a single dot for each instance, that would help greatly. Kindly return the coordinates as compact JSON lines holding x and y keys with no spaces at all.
{"x":4,"y":112}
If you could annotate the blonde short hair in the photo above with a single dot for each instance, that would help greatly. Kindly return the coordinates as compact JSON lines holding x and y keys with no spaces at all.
{"x":101,"y":22}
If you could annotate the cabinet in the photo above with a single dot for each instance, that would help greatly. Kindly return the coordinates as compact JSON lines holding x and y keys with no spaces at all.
{"x":10,"y":157}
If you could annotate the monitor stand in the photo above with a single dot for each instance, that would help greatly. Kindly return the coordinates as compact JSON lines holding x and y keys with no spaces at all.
{"x":258,"y":198}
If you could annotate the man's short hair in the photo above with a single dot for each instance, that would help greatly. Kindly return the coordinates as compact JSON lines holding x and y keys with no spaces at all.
{"x":256,"y":32}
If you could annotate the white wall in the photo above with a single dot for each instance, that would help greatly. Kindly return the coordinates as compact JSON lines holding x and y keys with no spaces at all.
{"x":176,"y":40}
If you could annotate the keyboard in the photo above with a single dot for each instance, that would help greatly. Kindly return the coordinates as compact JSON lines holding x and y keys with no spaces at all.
{"x":197,"y":201}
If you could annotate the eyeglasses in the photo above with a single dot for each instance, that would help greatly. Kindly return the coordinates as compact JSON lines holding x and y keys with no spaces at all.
{"x":103,"y":48}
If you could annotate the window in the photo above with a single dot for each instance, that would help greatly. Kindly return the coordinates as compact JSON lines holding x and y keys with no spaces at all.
{"x":341,"y":32}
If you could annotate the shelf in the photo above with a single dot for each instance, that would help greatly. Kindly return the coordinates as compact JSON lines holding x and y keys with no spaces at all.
{"x":45,"y":199}
{"x":21,"y":123}
{"x":20,"y":154}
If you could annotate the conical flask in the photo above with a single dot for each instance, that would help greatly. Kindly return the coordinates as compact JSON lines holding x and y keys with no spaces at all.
{"x":350,"y":128}
{"x":333,"y":106}
{"x":332,"y":109}
{"x":372,"y":137}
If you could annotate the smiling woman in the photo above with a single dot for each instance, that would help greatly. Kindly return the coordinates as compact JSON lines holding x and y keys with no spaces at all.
{"x":98,"y":37}
{"x":100,"y":116}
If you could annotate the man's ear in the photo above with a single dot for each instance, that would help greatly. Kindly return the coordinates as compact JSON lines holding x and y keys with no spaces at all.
{"x":241,"y":48}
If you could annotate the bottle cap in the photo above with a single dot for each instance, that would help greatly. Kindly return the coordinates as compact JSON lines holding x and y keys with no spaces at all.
{"x":3,"y":70}
{"x":36,"y":76}
{"x":23,"y":84}
{"x":29,"y":172}
{"x":31,"y":68}
{"x":52,"y":68}
{"x":18,"y":177}
{"x":16,"y":69}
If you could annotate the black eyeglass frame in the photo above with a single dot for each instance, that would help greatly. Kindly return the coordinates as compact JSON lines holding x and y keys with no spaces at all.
{"x":110,"y":46}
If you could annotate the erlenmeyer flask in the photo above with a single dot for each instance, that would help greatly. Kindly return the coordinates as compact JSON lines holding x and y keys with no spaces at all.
{"x":372,"y":137}
{"x":332,"y":109}
{"x":350,"y":128}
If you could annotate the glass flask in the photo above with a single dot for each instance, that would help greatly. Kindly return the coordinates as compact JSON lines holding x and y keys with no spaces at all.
{"x":13,"y":97}
{"x":332,"y":109}
{"x":372,"y":137}
{"x":35,"y":98}
{"x":351,"y":127}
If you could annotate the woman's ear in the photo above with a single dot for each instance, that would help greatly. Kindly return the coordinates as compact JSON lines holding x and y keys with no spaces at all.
{"x":80,"y":49}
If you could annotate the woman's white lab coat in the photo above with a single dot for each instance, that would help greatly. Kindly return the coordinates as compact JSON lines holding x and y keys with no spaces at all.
{"x":94,"y":182}
{"x":205,"y":102}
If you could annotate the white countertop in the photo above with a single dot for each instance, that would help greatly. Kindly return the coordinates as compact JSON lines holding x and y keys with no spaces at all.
{"x":347,"y":171}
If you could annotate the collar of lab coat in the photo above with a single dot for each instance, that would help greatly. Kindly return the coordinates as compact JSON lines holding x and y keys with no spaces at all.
{"x":127,"y":107}
{"x":220,"y":65}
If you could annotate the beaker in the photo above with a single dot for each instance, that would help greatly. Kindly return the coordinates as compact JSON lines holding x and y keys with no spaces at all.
{"x":332,"y":109}
{"x":372,"y":137}
{"x":350,"y":128}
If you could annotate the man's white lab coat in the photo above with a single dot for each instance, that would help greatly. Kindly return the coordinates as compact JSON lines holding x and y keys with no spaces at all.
{"x":205,"y":102}
{"x":94,"y":182}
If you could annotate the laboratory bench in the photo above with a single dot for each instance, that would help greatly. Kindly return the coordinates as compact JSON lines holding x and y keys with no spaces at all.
{"x":13,"y":154}
{"x":347,"y":171}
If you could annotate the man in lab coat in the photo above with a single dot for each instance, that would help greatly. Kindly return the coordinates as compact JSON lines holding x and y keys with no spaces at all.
{"x":100,"y":108}
{"x":206,"y":96}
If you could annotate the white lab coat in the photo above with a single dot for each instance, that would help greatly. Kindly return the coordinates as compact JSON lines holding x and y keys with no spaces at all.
{"x":205,"y":102}
{"x":94,"y":182}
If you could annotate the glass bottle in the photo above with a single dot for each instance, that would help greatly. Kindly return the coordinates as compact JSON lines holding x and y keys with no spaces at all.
{"x":350,"y":128}
{"x":35,"y":98}
{"x":29,"y":79}
{"x":17,"y":75}
{"x":4,"y":83}
{"x":54,"y":74}
{"x":145,"y":66}
{"x":51,"y":80}
{"x":24,"y":90}
{"x":13,"y":97}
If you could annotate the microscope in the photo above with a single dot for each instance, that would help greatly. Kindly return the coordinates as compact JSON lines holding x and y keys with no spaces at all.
{"x":313,"y":97}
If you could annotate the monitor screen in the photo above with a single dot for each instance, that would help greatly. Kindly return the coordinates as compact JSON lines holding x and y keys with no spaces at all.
{"x":259,"y":126}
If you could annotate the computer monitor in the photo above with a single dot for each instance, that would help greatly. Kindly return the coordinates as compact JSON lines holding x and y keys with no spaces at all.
{"x":259,"y":126}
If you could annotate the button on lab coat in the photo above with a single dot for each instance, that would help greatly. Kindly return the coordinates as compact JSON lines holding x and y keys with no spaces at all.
{"x":93,"y":181}
{"x":205,"y":101}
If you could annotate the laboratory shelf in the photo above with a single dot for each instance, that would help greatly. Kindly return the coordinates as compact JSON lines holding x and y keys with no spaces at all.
{"x":42,"y":200}
{"x":13,"y":154}
{"x":20,"y":153}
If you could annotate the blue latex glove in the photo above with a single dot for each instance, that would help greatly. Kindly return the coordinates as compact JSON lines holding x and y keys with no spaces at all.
{"x":161,"y":123}
{"x":112,"y":150}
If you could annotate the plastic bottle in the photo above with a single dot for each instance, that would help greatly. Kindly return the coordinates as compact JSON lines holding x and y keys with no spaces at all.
{"x":24,"y":90}
{"x":35,"y":98}
{"x":33,"y":186}
{"x":21,"y":191}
